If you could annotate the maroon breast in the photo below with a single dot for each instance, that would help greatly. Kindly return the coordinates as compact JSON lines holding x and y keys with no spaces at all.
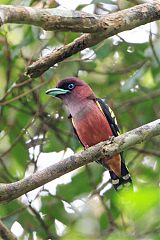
{"x":92,"y":126}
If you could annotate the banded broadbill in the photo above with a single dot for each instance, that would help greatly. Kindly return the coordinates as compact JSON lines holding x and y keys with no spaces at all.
{"x":93,"y":122}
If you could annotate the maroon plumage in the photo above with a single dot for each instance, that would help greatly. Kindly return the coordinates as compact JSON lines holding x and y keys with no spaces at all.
{"x":93,"y":122}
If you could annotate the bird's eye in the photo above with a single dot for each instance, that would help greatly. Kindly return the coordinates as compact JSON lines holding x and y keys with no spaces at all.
{"x":71,"y":86}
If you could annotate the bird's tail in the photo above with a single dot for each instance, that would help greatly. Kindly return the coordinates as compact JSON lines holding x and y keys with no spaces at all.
{"x":124,"y":180}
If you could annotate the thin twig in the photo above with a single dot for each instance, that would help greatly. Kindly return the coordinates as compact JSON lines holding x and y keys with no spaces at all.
{"x":153,"y":49}
{"x":23,"y":94}
{"x":5,"y":233}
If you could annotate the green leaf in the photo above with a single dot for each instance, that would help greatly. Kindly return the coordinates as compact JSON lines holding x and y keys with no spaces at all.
{"x":137,"y":204}
{"x":73,"y":234}
{"x":103,"y":221}
{"x":20,"y":147}
{"x":120,"y":235}
{"x":134,"y":79}
{"x":30,"y":222}
{"x":102,"y":1}
{"x":9,"y":212}
{"x":53,"y":208}
{"x":104,"y":49}
{"x":81,"y":183}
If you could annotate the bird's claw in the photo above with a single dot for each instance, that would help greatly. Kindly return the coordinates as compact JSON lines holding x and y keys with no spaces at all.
{"x":111,"y":139}
{"x":86,"y":146}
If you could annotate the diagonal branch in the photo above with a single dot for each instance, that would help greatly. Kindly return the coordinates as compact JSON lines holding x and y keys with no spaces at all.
{"x":99,"y":27}
{"x":105,"y":149}
{"x":78,"y":21}
{"x":109,"y":25}
{"x":5,"y":233}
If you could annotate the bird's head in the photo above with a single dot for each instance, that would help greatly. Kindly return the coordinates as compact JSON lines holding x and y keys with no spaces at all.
{"x":71,"y":89}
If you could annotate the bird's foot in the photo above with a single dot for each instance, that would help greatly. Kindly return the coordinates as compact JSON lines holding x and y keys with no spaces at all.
{"x":86,"y":146}
{"x":111,"y":139}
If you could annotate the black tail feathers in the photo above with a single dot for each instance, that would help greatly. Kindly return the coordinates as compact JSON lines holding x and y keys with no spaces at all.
{"x":124,"y":180}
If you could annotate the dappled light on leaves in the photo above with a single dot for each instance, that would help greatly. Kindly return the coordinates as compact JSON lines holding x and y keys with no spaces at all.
{"x":35,"y":131}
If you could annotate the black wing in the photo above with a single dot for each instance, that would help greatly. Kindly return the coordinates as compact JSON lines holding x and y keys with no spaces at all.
{"x":110,"y":116}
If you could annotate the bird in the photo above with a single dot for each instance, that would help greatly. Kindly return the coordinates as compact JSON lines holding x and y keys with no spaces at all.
{"x":93,"y":121}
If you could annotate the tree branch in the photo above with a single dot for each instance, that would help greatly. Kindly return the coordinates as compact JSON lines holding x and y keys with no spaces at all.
{"x":78,"y":21}
{"x":50,"y":19}
{"x":139,"y":99}
{"x":67,"y":20}
{"x":5,"y":233}
{"x":105,"y":149}
{"x":109,"y":25}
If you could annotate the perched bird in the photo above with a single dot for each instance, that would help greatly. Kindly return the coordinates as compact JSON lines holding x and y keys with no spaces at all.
{"x":93,"y":122}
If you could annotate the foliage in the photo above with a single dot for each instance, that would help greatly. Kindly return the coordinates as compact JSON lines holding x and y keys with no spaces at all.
{"x":126,"y":74}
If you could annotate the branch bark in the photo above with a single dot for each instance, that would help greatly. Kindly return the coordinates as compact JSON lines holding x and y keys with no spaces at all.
{"x":109,"y":25}
{"x":107,"y":149}
{"x":78,"y":21}
{"x":67,"y":20}
{"x":50,"y":19}
{"x":5,"y":233}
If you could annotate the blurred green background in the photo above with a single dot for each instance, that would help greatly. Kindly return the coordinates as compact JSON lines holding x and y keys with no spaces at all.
{"x":123,"y":70}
